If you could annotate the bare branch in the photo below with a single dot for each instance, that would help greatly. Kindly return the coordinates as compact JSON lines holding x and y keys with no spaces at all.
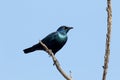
{"x":108,"y":37}
{"x":56,"y":63}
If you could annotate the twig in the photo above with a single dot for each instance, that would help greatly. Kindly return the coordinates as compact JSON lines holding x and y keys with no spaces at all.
{"x":108,"y":37}
{"x":56,"y":63}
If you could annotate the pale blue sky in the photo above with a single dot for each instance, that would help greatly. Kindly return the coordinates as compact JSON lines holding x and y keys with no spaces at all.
{"x":24,"y":22}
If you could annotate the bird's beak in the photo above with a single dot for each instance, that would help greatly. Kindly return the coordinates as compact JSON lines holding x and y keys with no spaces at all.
{"x":70,"y":27}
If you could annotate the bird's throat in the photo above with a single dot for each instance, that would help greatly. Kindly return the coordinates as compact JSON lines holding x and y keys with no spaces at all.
{"x":62,"y":36}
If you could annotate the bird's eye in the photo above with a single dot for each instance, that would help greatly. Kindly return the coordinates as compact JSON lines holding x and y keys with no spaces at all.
{"x":65,"y":28}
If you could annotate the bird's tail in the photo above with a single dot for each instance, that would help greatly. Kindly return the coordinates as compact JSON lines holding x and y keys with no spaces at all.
{"x":33,"y":48}
{"x":28,"y":50}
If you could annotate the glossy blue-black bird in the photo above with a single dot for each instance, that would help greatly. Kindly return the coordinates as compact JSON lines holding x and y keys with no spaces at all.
{"x":54,"y":41}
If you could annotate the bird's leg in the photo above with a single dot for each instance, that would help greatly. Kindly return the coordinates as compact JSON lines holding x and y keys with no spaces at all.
{"x":56,"y":62}
{"x":49,"y":51}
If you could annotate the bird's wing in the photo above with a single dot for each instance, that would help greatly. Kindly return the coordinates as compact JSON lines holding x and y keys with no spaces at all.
{"x":49,"y":38}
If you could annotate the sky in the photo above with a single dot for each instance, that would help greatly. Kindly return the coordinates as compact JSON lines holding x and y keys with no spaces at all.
{"x":24,"y":22}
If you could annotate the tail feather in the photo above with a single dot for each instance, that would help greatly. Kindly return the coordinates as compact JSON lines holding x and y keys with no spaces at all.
{"x":28,"y":50}
{"x":33,"y":48}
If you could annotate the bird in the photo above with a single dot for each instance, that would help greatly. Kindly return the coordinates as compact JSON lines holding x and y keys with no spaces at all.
{"x":54,"y":41}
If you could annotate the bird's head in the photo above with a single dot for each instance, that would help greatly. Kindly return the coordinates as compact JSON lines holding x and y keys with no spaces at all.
{"x":64,"y":29}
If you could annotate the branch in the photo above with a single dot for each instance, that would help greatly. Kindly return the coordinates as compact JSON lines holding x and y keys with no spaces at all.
{"x":56,"y":63}
{"x":108,"y":37}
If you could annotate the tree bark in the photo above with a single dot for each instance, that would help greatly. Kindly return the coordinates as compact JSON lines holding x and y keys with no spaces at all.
{"x":108,"y":38}
{"x":56,"y":63}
